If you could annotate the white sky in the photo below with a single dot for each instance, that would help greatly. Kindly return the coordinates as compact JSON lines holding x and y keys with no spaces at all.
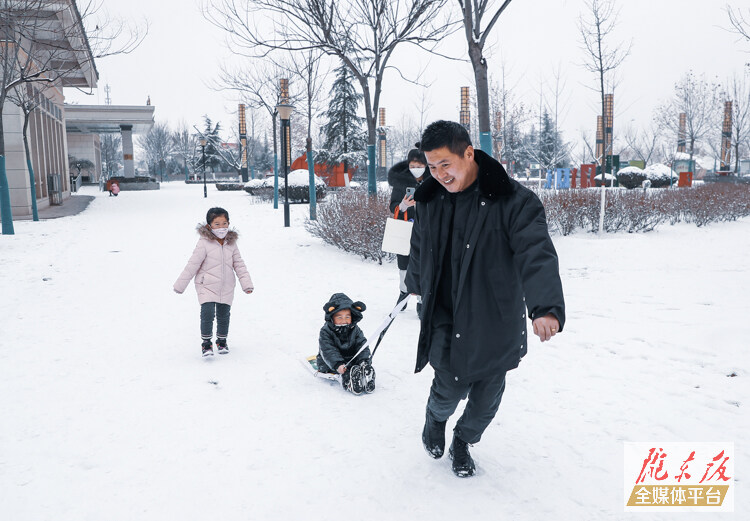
{"x":183,"y":51}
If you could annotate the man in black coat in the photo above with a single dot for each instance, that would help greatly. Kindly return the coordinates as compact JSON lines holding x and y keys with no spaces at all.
{"x":481,"y":256}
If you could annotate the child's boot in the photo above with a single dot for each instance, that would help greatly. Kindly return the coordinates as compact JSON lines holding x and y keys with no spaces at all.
{"x":207,"y":348}
{"x":221,"y":344}
{"x":352,"y":380}
{"x":368,"y":376}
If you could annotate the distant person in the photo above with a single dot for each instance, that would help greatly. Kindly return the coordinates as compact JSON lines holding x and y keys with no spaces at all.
{"x":340,"y":339}
{"x":114,"y":189}
{"x":481,"y":256}
{"x":214,"y":263}
{"x":403,"y":176}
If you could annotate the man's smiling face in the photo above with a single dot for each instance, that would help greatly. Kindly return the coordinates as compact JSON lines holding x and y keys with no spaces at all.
{"x":454,"y":172}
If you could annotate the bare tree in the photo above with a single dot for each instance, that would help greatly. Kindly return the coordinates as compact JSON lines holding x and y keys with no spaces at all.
{"x":305,"y":66}
{"x":739,"y":93}
{"x":362,"y":33}
{"x":185,"y":144}
{"x":512,"y":115}
{"x":45,"y":42}
{"x":475,"y":13}
{"x":602,"y":58}
{"x":158,"y":145}
{"x":260,"y":87}
{"x":740,"y":21}
{"x":556,"y":106}
{"x":643,"y":143}
{"x":402,"y":137}
{"x":587,"y":152}
{"x":423,"y":107}
{"x":700,"y":100}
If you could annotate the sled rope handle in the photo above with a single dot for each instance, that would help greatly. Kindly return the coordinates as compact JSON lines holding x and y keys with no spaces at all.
{"x":380,"y":332}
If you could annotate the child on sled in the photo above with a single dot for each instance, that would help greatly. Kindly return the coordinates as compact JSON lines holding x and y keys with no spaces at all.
{"x":340,"y":339}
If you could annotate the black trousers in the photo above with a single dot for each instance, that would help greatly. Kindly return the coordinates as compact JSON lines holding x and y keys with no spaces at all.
{"x":484,"y":399}
{"x":208,"y":311}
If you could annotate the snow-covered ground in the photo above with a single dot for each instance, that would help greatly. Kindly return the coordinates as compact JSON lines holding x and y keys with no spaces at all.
{"x":108,"y":411}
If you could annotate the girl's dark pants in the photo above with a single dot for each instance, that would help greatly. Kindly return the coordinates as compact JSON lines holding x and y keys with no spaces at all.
{"x":208,"y":311}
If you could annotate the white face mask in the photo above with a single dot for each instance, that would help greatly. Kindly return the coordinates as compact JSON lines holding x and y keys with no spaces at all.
{"x":417,"y":172}
{"x":220,"y":232}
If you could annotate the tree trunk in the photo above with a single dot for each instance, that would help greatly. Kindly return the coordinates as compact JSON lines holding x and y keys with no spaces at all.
{"x":2,"y":127}
{"x":479,"y":65}
{"x":737,"y":159}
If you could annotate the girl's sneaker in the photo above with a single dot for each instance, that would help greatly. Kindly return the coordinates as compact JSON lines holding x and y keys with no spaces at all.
{"x":207,"y":348}
{"x":221,"y":344}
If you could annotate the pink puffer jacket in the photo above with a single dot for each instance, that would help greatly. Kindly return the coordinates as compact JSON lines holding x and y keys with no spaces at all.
{"x":213,"y":265}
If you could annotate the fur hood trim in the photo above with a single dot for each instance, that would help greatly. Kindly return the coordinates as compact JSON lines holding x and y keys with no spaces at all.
{"x":494,"y":182}
{"x":206,"y":233}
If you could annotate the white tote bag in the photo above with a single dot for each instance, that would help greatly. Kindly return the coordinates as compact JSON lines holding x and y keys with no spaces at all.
{"x":397,"y":236}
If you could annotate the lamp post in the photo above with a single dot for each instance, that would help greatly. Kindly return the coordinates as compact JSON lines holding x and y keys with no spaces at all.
{"x":203,"y":161}
{"x":285,"y":112}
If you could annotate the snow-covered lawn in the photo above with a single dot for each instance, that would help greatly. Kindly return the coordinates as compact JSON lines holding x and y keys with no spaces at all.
{"x":108,"y":411}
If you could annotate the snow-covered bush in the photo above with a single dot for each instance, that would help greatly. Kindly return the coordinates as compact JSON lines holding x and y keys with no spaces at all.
{"x":631,"y":177}
{"x":353,"y":221}
{"x":659,"y":175}
{"x":229,"y":186}
{"x":298,"y":187}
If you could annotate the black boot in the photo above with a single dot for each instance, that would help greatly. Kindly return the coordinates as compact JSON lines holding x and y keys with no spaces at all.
{"x":221,"y":344}
{"x":207,"y":348}
{"x":463,"y":464}
{"x":352,"y":380}
{"x":433,"y":437}
{"x":368,"y":376}
{"x":401,"y":297}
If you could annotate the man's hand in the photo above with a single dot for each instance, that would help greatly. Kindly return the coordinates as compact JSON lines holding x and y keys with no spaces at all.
{"x":341,"y":369}
{"x":546,"y":327}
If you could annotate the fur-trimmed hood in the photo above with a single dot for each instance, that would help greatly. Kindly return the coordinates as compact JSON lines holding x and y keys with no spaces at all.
{"x":400,"y":176}
{"x":206,"y":233}
{"x":493,"y":180}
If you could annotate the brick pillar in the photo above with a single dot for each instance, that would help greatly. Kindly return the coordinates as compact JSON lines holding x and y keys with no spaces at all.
{"x":126,"y":131}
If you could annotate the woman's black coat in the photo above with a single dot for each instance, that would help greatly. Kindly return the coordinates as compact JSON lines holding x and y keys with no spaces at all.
{"x":508,"y":264}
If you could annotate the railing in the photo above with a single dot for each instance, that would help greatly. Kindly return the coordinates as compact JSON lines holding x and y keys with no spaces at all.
{"x":75,"y":183}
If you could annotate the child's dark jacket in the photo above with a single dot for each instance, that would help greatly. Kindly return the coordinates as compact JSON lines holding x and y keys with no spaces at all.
{"x":338,"y":346}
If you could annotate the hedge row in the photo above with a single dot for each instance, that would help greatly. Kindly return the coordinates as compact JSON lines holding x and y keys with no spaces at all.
{"x":353,"y":221}
{"x":642,"y":211}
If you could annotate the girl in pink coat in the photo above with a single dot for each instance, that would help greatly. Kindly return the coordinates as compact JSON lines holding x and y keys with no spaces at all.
{"x":213,"y":264}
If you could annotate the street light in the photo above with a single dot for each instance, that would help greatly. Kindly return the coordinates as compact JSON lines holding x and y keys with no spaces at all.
{"x":285,"y":112}
{"x":203,"y":142}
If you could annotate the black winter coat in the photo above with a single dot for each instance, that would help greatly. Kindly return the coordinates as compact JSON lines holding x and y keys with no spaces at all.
{"x":400,"y":178}
{"x":337,"y":347}
{"x":508,"y":263}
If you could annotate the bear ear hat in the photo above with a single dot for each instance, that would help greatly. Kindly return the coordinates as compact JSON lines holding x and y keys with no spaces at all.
{"x":329,"y":307}
{"x":359,"y":306}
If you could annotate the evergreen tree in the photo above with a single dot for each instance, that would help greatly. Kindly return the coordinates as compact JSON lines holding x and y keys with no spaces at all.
{"x":345,"y":138}
{"x":262,"y":160}
{"x":213,"y":141}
